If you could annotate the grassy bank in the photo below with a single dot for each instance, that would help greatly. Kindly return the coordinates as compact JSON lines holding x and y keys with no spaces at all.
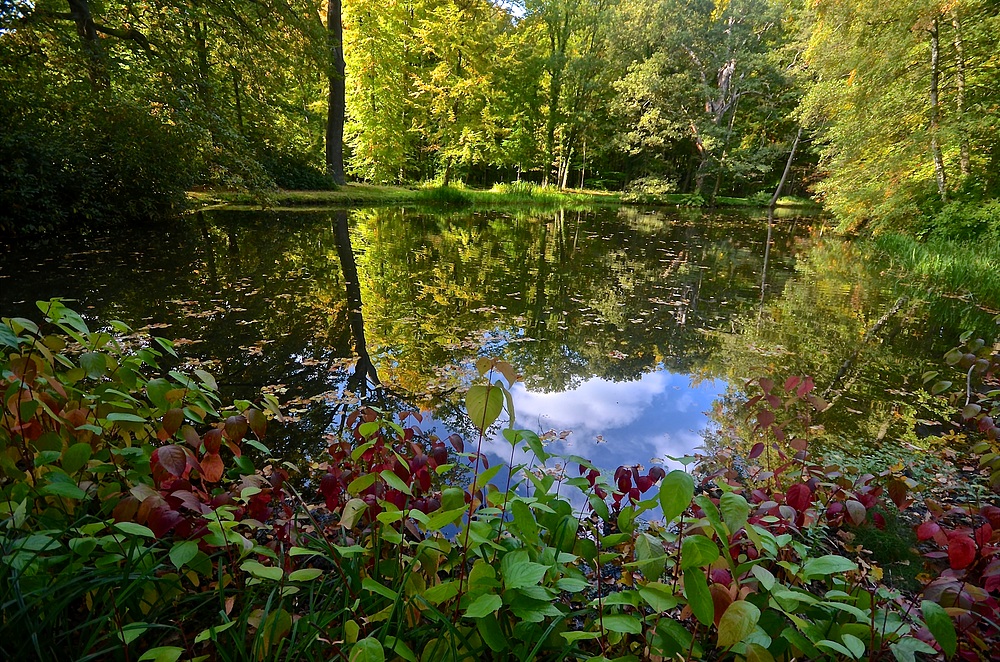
{"x":499,"y":197}
{"x":959,"y":267}
{"x":369,"y":194}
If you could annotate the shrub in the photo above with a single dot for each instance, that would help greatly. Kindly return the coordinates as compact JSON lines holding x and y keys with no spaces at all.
{"x":134,"y":525}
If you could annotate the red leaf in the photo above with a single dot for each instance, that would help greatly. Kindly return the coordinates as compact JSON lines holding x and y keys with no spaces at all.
{"x":798,"y":444}
{"x":792,"y":382}
{"x":984,"y":534}
{"x":330,"y":488}
{"x":172,"y":421}
{"x":804,"y":387}
{"x":721,"y":599}
{"x":624,"y":482}
{"x":213,"y":440}
{"x":992,"y":513}
{"x":799,"y":496}
{"x":236,"y":428}
{"x":897,"y":492}
{"x":457,"y":443}
{"x":644,"y":483}
{"x":211,"y":467}
{"x":927,"y":530}
{"x":161,"y":520}
{"x":172,"y":458}
{"x":655,"y":474}
{"x":755,"y":452}
{"x":765,"y":418}
{"x":961,"y":552}
{"x":766,"y":385}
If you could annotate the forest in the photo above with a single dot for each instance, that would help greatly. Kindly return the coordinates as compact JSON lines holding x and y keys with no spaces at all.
{"x":511,"y":330}
{"x":114,"y":109}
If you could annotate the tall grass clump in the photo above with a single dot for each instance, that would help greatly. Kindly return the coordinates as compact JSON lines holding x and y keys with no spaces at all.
{"x":971,"y":268}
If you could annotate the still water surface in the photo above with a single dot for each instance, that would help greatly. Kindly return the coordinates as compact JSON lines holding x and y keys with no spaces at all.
{"x":635,"y":330}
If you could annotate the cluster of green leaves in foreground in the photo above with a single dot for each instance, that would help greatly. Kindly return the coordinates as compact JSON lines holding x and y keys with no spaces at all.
{"x":133,"y":527}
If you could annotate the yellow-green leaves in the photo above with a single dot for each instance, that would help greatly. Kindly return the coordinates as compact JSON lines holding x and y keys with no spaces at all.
{"x":737,"y":623}
{"x":676,"y":492}
{"x":484,"y":404}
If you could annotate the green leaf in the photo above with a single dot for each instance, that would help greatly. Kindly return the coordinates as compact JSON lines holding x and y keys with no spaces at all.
{"x":157,"y":390}
{"x":827,"y":565}
{"x":941,"y":626}
{"x":659,"y":596}
{"x":739,"y":620}
{"x":518,"y":572}
{"x":483,"y":605}
{"x":484,"y":404}
{"x":580,"y":635}
{"x":304,"y":575}
{"x":361,"y":483}
{"x":353,"y":510}
{"x":650,"y":556}
{"x":208,"y":633}
{"x":442,"y":519}
{"x":834,"y":646}
{"x":735,"y":511}
{"x":373,"y":586}
{"x":132,"y":631}
{"x":61,"y":489}
{"x":764,"y":577}
{"x":440,"y":592}
{"x":262,"y":571}
{"x":853,"y":644}
{"x":624,"y":623}
{"x":395,"y":482}
{"x":906,"y":648}
{"x":162,"y":654}
{"x":182,"y":552}
{"x":698,"y":596}
{"x":122,"y":417}
{"x":94,"y":363}
{"x":133,"y":529}
{"x":698,"y":551}
{"x":676,"y":492}
{"x":489,"y":629}
{"x":524,"y":520}
{"x":75,"y":457}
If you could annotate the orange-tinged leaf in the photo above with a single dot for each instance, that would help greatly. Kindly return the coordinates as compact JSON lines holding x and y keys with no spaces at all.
{"x":212,"y":467}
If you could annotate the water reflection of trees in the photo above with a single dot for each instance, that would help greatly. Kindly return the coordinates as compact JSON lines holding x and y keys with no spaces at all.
{"x":865,"y":337}
{"x":565,"y":297}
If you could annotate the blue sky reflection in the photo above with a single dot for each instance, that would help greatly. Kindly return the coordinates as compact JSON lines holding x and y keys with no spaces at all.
{"x":615,"y":423}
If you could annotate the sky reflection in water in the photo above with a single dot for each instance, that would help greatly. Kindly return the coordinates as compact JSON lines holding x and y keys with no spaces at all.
{"x":613,"y":423}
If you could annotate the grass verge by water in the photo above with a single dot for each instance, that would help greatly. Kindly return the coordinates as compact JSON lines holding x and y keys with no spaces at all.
{"x":516,"y":194}
{"x":967,"y":268}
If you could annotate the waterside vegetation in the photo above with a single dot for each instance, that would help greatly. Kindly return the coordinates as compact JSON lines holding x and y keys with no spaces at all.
{"x":135,"y":526}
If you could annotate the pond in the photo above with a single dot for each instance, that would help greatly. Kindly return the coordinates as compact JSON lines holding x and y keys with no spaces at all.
{"x":635,"y":330}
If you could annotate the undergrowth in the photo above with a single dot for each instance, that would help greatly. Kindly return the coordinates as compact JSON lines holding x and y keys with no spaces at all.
{"x":133,"y":526}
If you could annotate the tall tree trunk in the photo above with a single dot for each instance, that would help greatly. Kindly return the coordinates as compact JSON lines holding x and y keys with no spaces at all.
{"x":365,"y":369}
{"x":555,"y":92}
{"x":86,"y":29}
{"x":565,"y":169}
{"x":963,"y":162}
{"x":336,"y":103}
{"x":236,"y":96}
{"x":784,"y":174}
{"x":583,"y":165}
{"x":935,"y":127}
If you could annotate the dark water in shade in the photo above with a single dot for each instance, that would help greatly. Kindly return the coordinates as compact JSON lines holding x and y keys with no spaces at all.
{"x":634,"y":329}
